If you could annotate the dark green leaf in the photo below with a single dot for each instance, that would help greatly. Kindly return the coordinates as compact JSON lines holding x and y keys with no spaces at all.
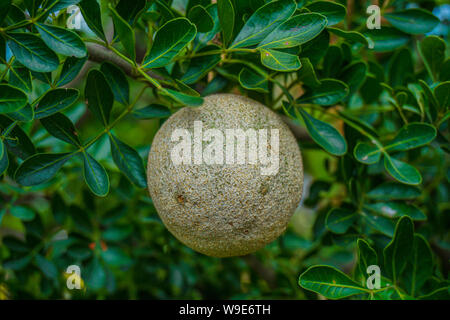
{"x":328,"y":93}
{"x":295,"y":31}
{"x":402,"y":171}
{"x":131,"y":10}
{"x":340,"y":220}
{"x":56,"y":100}
{"x":32,"y":52}
{"x":40,"y":168}
{"x":200,"y":66}
{"x":334,"y":12}
{"x":386,"y":39}
{"x":352,"y":36}
{"x":22,"y":213}
{"x":128,"y":161}
{"x":353,"y":75}
{"x":432,"y":50}
{"x":203,"y":38}
{"x":11,"y":99}
{"x":279,"y":61}
{"x":401,"y":68}
{"x":382,"y":224}
{"x":367,"y":153}
{"x":99,"y":96}
{"x":71,"y":67}
{"x":61,"y":127}
{"x":118,"y":82}
{"x":24,"y":114}
{"x":125,"y":32}
{"x":95,"y":175}
{"x":307,"y":75}
{"x":393,"y":191}
{"x":226,"y":14}
{"x":152,"y":111}
{"x":47,"y":267}
{"x":4,"y":8}
{"x":165,"y":47}
{"x":62,"y":41}
{"x":115,"y":257}
{"x":201,"y":18}
{"x":90,"y":10}
{"x":253,"y":81}
{"x":366,"y":256}
{"x":17,"y":264}
{"x":397,"y":209}
{"x":4,"y":161}
{"x":398,"y":251}
{"x":420,"y":265}
{"x":413,"y":21}
{"x":411,"y":136}
{"x":324,"y":134}
{"x":183,"y":98}
{"x":21,"y":78}
{"x":329,"y":282}
{"x":19,"y":144}
{"x":263,"y":22}
{"x":442,"y":93}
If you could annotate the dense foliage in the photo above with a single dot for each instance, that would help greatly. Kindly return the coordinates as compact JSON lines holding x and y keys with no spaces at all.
{"x":79,"y":106}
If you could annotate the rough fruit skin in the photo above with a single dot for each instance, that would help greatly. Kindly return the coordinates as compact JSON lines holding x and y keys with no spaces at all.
{"x":225,"y":210}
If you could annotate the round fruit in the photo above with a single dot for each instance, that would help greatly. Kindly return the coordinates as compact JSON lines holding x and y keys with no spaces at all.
{"x":226,"y":208}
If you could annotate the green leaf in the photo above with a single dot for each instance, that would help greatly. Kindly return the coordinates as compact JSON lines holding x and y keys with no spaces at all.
{"x":324,"y":134}
{"x":402,"y":171}
{"x":95,"y":175}
{"x":128,"y":161}
{"x":125,"y":32}
{"x":11,"y":99}
{"x":398,"y":251}
{"x":295,"y":31}
{"x":397,"y":209}
{"x":19,"y":143}
{"x":99,"y":96}
{"x":96,"y":275}
{"x":90,"y":10}
{"x":401,"y":68}
{"x":413,"y":21}
{"x":4,"y":8}
{"x":328,"y":93}
{"x":165,"y":47}
{"x":131,"y":10}
{"x":200,"y":66}
{"x":203,"y":38}
{"x":438,"y":294}
{"x":17,"y":264}
{"x":61,"y":127}
{"x":279,"y":61}
{"x":393,"y":191}
{"x":367,"y":153}
{"x":118,"y":82}
{"x":32,"y":52}
{"x":24,"y":114}
{"x":352,"y":36}
{"x":367,"y":256}
{"x":40,"y":168}
{"x":386,"y":39}
{"x":382,"y":224}
{"x":442,"y":93}
{"x":71,"y":67}
{"x":183,"y":98}
{"x":62,"y":41}
{"x":339,"y":220}
{"x":263,"y":22}
{"x":226,"y":14}
{"x":307,"y":75}
{"x":153,"y":111}
{"x":4,"y":161}
{"x":21,"y":78}
{"x":420,"y":265}
{"x":201,"y":18}
{"x":334,"y":12}
{"x":353,"y":75}
{"x":47,"y":267}
{"x":315,"y":49}
{"x":411,"y":136}
{"x":253,"y":81}
{"x":329,"y":282}
{"x":55,"y":101}
{"x":22,"y":213}
{"x":115,"y":257}
{"x":432,"y":50}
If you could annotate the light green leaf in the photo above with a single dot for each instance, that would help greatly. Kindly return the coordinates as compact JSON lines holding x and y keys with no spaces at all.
{"x":22,"y":213}
{"x":128,"y":161}
{"x":11,"y":98}
{"x":324,"y":134}
{"x":295,"y":31}
{"x":329,"y":282}
{"x":413,"y":21}
{"x":263,"y":22}
{"x":95,"y":175}
{"x":279,"y":61}
{"x":367,"y":153}
{"x":170,"y":39}
{"x":62,"y":41}
{"x":40,"y":168}
{"x":56,"y":100}
{"x":399,"y":250}
{"x":32,"y":52}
